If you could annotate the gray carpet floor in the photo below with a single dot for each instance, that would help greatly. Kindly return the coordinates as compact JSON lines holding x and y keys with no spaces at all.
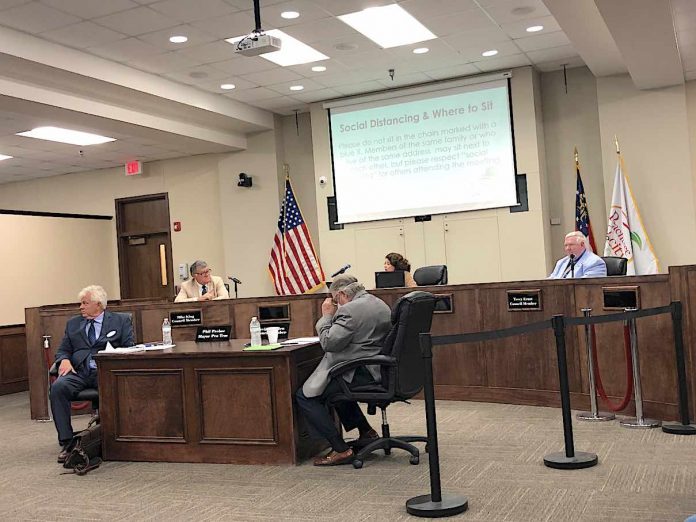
{"x":491,"y":453}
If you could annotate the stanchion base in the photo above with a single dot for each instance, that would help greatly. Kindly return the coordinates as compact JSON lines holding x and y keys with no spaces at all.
{"x":422,"y":506}
{"x":640,"y":423}
{"x":679,"y":429}
{"x":601,"y":416}
{"x":582,"y":459}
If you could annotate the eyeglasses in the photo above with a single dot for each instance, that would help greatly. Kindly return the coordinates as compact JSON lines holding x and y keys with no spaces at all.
{"x":204,"y":273}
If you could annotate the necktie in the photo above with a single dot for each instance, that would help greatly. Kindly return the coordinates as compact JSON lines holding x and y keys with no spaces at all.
{"x":204,"y":289}
{"x":91,"y":334}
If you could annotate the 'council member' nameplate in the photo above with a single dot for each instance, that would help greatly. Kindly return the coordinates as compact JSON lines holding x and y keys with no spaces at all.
{"x":186,"y":318}
{"x":524,"y":300}
{"x":207,"y":334}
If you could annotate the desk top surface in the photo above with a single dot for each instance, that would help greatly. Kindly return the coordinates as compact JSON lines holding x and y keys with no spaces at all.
{"x":233,"y":347}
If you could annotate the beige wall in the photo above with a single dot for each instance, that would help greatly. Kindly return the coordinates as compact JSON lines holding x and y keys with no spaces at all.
{"x":72,"y":254}
{"x":488,"y":245}
{"x":652,"y":128}
{"x":572,"y":120}
{"x":228,"y":226}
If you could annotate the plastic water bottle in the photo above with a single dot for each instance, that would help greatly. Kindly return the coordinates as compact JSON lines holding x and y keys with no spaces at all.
{"x":166,"y":331}
{"x":255,"y":330}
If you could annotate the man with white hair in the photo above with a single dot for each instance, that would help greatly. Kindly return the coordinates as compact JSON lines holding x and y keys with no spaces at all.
{"x":353,"y":325}
{"x":579,"y":262}
{"x":84,"y":336}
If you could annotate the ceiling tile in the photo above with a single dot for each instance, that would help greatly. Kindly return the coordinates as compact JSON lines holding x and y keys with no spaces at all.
{"x":461,"y":22}
{"x":542,"y":41}
{"x":255,"y":94}
{"x":161,"y":63}
{"x":424,"y":9}
{"x":555,"y":65}
{"x":228,"y":26}
{"x":340,"y":7}
{"x":244,"y":4}
{"x":509,"y":11}
{"x":328,"y":29}
{"x":360,"y":88}
{"x":554,"y":53}
{"x":185,"y":75}
{"x":401,"y":80}
{"x":160,"y":38}
{"x":485,"y":38}
{"x":209,"y":53}
{"x":272,"y":76}
{"x":190,"y":11}
{"x":318,"y":95}
{"x":504,"y":49}
{"x":309,"y":12}
{"x":519,"y":29}
{"x":214,"y":85}
{"x":83,"y":35}
{"x":124,"y":50}
{"x":6,"y":4}
{"x":503,"y":62}
{"x":134,"y":22}
{"x":453,"y":72}
{"x":87,"y":9}
{"x":35,"y":17}
{"x":284,"y":87}
{"x":240,"y":65}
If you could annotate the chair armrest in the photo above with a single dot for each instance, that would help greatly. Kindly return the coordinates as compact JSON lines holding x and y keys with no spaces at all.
{"x":381,"y":360}
{"x":53,"y":370}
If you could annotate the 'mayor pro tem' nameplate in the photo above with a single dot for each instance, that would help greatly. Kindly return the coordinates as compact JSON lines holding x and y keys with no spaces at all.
{"x":524,"y":300}
{"x":207,"y":334}
{"x":185,"y":318}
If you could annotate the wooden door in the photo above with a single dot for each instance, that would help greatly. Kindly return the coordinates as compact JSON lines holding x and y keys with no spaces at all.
{"x":144,"y":247}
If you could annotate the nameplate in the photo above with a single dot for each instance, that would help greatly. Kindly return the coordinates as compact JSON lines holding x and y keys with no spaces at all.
{"x":620,"y":297}
{"x":524,"y":300}
{"x":207,"y":334}
{"x":187,"y":318}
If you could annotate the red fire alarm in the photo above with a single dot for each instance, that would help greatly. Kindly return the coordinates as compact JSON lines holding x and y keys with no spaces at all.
{"x":177,"y":226}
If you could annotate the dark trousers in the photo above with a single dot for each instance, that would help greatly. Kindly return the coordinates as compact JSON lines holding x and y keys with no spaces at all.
{"x":63,"y":390}
{"x":316,"y":411}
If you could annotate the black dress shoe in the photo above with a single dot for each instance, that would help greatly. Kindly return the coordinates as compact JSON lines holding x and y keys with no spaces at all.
{"x":63,"y":455}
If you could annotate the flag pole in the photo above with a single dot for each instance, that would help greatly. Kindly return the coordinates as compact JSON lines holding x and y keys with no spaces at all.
{"x":616,"y":142}
{"x":575,"y":152}
{"x":286,"y":170}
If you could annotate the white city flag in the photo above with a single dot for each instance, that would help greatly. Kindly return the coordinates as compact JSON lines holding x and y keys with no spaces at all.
{"x":626,"y":235}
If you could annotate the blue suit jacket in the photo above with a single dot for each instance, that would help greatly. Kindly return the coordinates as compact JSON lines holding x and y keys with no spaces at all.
{"x":589,"y":265}
{"x":116,"y":329}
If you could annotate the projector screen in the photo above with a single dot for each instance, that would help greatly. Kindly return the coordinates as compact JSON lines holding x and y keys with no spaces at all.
{"x":434,"y":152}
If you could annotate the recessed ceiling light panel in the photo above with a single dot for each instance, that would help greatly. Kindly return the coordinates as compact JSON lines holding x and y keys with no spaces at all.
{"x":318,"y":68}
{"x":289,"y":15}
{"x":492,"y":52}
{"x":388,"y":26}
{"x":292,"y":51}
{"x":535,"y":28}
{"x":296,"y":87}
{"x":3,"y":157}
{"x":71,"y":137}
{"x":227,"y":86}
{"x":178,"y":39}
{"x":420,"y":50}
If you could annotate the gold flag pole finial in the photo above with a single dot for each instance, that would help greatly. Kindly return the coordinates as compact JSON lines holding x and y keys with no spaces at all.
{"x":286,"y":170}
{"x":616,"y":142}
{"x":575,"y":152}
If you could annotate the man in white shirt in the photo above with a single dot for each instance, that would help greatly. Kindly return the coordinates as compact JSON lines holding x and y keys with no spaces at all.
{"x":202,"y":286}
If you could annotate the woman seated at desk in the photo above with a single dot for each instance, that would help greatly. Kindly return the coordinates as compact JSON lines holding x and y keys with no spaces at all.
{"x":394,"y":261}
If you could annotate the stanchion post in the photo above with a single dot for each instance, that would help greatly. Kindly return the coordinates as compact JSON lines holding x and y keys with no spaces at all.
{"x":685,"y":428}
{"x":434,"y":505}
{"x":570,"y":459}
{"x":47,"y":351}
{"x":593,"y":414}
{"x":640,"y":421}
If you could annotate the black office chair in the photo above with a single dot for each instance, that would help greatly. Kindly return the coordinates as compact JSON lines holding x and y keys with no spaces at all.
{"x":616,"y":266}
{"x":431,"y":275}
{"x":402,"y":373}
{"x":90,"y":395}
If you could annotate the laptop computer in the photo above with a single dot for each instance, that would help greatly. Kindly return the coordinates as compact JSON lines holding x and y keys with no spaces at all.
{"x":389,"y":279}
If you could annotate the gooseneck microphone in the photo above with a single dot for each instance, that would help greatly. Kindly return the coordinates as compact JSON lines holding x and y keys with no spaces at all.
{"x":340,"y":270}
{"x":234,"y":280}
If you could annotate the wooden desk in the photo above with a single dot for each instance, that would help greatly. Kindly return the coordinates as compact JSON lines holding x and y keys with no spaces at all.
{"x":13,"y":360}
{"x":205,"y":402}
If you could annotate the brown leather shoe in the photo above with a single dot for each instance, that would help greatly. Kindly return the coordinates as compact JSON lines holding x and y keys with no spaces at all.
{"x":334,"y":458}
{"x":63,"y":455}
{"x":364,"y":439}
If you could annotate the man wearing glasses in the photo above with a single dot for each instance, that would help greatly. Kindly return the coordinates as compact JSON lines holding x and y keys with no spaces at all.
{"x":202,"y":286}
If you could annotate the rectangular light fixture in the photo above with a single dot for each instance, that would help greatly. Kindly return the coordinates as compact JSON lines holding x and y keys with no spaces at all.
{"x":60,"y":135}
{"x":388,"y":26}
{"x":3,"y":157}
{"x":292,"y":51}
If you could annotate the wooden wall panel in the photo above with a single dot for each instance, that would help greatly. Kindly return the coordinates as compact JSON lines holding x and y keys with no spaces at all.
{"x":13,"y":360}
{"x":250,"y":397}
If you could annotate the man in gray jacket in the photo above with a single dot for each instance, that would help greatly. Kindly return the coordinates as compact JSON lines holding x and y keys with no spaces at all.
{"x":352,"y":330}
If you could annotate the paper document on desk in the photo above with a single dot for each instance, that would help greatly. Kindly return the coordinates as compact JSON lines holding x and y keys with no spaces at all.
{"x":301,"y":340}
{"x":137,"y":348}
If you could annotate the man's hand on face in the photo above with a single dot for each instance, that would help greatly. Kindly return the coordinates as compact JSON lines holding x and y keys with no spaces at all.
{"x":328,"y":307}
{"x":65,"y":367}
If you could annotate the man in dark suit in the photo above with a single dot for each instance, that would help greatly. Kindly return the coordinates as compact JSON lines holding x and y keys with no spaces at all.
{"x":77,"y":370}
{"x":354,"y":329}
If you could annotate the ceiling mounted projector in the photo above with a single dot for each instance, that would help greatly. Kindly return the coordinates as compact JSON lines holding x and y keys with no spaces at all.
{"x":257,"y":43}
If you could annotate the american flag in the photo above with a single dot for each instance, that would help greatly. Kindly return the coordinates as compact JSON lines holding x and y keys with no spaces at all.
{"x":582,"y":214}
{"x":294,"y":266}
